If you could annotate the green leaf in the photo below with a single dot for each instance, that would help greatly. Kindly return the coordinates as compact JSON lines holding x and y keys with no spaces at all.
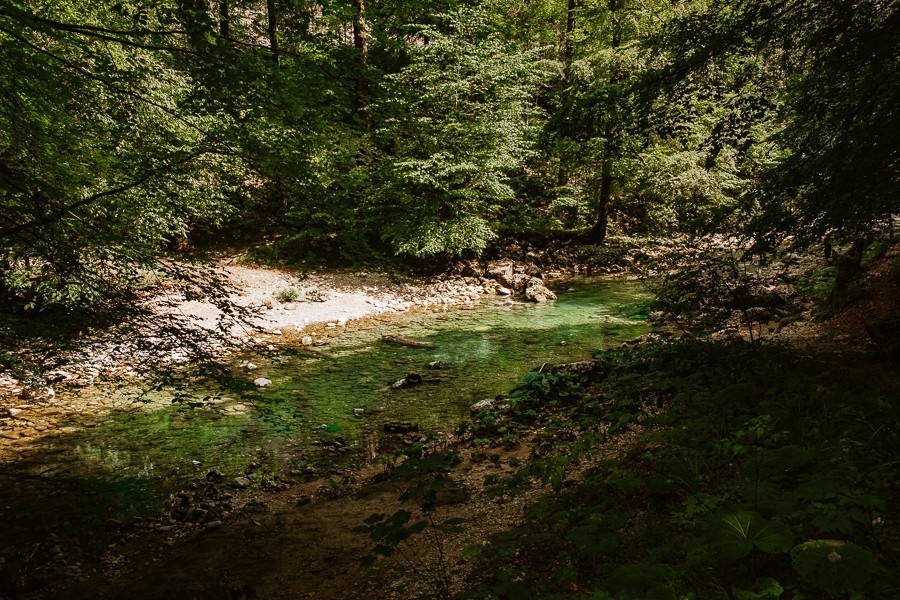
{"x":739,"y":532}
{"x":589,"y":540}
{"x":764,"y":588}
{"x":767,"y":587}
{"x":773,"y":537}
{"x":735,"y":535}
{"x":834,"y":566}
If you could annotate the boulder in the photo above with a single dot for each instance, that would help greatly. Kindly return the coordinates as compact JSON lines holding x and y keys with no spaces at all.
{"x":58,"y":376}
{"x":498,"y":403}
{"x":470,"y":269}
{"x":582,"y":367}
{"x":215,"y":475}
{"x":198,"y":515}
{"x":536,"y":291}
{"x":519,"y":282}
{"x":533,"y":270}
{"x":501,"y":270}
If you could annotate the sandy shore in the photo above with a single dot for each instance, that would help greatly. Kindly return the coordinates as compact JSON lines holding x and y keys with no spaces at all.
{"x":280,"y":299}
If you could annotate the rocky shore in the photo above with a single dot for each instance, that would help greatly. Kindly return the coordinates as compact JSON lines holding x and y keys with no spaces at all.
{"x":277,"y":308}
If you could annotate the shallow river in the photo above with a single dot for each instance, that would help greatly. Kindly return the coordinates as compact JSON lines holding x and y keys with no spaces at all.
{"x":128,"y":449}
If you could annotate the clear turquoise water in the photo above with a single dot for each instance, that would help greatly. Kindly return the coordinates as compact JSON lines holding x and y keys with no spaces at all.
{"x":136,"y":454}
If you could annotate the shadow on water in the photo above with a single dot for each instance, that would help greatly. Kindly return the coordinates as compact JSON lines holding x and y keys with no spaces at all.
{"x":60,"y":497}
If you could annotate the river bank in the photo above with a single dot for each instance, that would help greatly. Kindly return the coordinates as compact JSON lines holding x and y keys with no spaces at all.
{"x":235,"y":306}
{"x":330,"y":409}
{"x":241,"y":459}
{"x":261,"y":307}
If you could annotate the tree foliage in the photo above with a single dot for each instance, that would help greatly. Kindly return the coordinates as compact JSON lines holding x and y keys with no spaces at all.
{"x":420,"y":129}
{"x":460,"y":123}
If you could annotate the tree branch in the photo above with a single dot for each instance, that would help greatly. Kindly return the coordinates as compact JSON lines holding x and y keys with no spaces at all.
{"x":100,"y":195}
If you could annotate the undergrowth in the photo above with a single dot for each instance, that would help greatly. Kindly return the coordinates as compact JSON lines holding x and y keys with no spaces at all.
{"x":717,"y":471}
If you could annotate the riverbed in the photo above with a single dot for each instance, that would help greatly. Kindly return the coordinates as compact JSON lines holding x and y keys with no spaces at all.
{"x":118,"y":452}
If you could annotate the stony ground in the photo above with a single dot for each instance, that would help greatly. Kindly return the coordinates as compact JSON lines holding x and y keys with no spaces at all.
{"x":265,"y":304}
{"x":286,"y":546}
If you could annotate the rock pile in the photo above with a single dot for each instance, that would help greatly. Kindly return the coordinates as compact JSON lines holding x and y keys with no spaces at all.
{"x":520,"y":278}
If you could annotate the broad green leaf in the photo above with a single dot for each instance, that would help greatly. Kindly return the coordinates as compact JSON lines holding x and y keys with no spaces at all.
{"x":739,"y":532}
{"x":834,"y":566}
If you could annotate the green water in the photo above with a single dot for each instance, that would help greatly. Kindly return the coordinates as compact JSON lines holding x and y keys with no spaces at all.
{"x":141,"y":447}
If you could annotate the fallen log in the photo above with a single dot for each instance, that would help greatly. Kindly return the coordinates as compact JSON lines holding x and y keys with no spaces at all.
{"x":404,"y":341}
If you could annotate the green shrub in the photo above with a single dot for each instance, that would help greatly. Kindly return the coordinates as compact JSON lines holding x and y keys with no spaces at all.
{"x":287,"y":295}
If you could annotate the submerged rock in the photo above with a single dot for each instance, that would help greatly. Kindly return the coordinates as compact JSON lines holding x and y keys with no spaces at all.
{"x":438,"y":365}
{"x":483,"y":405}
{"x":262,"y":382}
{"x":411,"y":380}
{"x":401,"y":427}
{"x":39,"y":394}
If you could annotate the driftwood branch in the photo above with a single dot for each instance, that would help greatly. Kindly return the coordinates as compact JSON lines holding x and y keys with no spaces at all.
{"x":405,"y":341}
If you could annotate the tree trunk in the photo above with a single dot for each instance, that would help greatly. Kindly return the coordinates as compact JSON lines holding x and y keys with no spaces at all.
{"x":562,"y":176}
{"x":597,"y":234}
{"x":224,"y":20}
{"x":849,"y":265}
{"x":569,"y":44}
{"x":361,"y":43}
{"x":273,"y":29}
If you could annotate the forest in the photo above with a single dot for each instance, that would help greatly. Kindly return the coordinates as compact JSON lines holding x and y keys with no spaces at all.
{"x":510,"y":298}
